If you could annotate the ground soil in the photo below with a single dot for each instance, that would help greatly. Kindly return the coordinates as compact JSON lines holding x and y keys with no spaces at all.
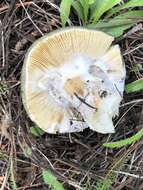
{"x":77,"y":159}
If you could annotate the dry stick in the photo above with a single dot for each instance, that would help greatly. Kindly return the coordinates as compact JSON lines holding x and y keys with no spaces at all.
{"x":31,"y":18}
{"x":132,"y":102}
{"x":125,"y":114}
{"x":135,"y":29}
{"x":134,"y":49}
{"x":3,"y":47}
{"x":52,"y":5}
{"x":7,"y":169}
{"x":29,"y":3}
{"x":128,"y":174}
{"x":17,"y":5}
{"x":5,"y":180}
{"x":46,"y":13}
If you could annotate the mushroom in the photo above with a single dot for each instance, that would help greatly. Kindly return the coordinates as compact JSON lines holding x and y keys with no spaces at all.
{"x":73,"y":79}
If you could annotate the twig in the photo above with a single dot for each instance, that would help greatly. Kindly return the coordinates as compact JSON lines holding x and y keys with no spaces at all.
{"x":136,"y":28}
{"x":84,"y":102}
{"x":129,"y":174}
{"x":52,"y":5}
{"x":31,"y":18}
{"x":3,"y":8}
{"x":131,"y":102}
{"x":125,"y":114}
{"x":134,"y":49}
{"x":2,"y":44}
{"x":5,"y":180}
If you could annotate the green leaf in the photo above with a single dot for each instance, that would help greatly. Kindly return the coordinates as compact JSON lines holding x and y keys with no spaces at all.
{"x":92,"y":2}
{"x":102,"y":7}
{"x":134,"y":86}
{"x":51,"y":180}
{"x":131,"y":15}
{"x":126,"y":21}
{"x":106,"y":184}
{"x":127,"y":141}
{"x":129,"y":4}
{"x":85,"y":4}
{"x":36,"y":131}
{"x":117,"y":31}
{"x":112,"y":23}
{"x":65,"y":8}
{"x":114,"y":29}
{"x":117,"y":25}
{"x":79,"y":9}
{"x":92,"y":10}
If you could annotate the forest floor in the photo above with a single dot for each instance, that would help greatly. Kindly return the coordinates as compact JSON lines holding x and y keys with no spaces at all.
{"x":78,"y":160}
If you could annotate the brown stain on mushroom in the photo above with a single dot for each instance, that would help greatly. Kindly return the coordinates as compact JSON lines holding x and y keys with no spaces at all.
{"x":74,"y":85}
{"x":97,"y":100}
{"x":59,"y":117}
{"x":56,"y":118}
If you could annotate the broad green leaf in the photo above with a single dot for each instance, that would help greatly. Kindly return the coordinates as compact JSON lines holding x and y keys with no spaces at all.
{"x":112,"y":23}
{"x":79,"y":9}
{"x":51,"y":180}
{"x":117,"y":25}
{"x":127,"y":141}
{"x":102,"y":6}
{"x":115,"y":28}
{"x":85,"y":5}
{"x":65,"y":8}
{"x":131,"y":15}
{"x":36,"y":131}
{"x":131,"y":3}
{"x":134,"y":86}
{"x":113,"y":31}
{"x":92,"y":2}
{"x":92,"y":10}
{"x":126,"y":21}
{"x":117,"y":31}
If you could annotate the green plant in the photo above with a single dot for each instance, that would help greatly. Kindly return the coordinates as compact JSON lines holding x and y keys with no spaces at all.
{"x":51,"y":180}
{"x":127,"y":141}
{"x":134,"y":86}
{"x":110,"y":16}
{"x":107,"y":183}
{"x":36,"y":131}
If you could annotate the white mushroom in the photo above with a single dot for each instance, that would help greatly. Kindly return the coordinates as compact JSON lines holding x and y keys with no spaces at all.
{"x":73,"y":79}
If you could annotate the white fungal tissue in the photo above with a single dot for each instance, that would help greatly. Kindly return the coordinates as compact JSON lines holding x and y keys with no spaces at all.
{"x":73,"y":79}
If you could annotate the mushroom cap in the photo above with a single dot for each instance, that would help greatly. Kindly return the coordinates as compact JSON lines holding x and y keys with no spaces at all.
{"x":73,"y":79}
